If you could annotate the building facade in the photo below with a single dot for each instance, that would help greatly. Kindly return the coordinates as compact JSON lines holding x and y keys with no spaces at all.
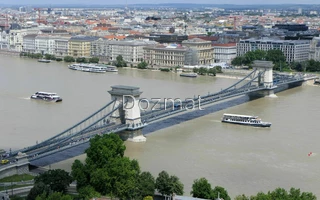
{"x":204,"y":51}
{"x":315,"y":49}
{"x":80,"y":46}
{"x":45,"y":44}
{"x":165,"y":56}
{"x":293,"y":50}
{"x":130,"y":50}
{"x":61,"y":45}
{"x":225,"y":53}
{"x":29,"y":43}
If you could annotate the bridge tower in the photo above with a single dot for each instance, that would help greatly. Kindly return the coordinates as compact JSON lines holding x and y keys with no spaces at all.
{"x":265,"y":79}
{"x":128,"y":112}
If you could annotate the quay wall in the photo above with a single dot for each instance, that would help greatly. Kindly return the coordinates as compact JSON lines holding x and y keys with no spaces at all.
{"x":9,"y":52}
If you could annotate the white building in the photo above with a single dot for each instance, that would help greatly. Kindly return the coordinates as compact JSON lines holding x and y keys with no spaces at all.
{"x":61,"y":45}
{"x":29,"y":43}
{"x":293,"y":50}
{"x":130,"y":50}
{"x":225,"y":53}
{"x":315,"y":49}
{"x":4,"y":39}
{"x":45,"y":44}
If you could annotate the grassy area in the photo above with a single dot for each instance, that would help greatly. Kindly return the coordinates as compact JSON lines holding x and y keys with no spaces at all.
{"x":17,"y":178}
{"x":9,"y":187}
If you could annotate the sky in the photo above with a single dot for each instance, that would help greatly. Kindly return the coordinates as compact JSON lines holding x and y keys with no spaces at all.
{"x":113,"y":2}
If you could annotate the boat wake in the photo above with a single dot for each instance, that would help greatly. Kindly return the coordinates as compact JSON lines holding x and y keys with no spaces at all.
{"x":25,"y":98}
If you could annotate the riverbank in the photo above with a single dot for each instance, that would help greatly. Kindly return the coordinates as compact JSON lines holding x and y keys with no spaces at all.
{"x":9,"y":52}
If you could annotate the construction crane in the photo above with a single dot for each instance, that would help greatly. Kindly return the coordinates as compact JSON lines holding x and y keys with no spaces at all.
{"x":39,"y":16}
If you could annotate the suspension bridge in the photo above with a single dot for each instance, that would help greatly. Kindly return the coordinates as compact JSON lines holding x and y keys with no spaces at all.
{"x":124,"y":115}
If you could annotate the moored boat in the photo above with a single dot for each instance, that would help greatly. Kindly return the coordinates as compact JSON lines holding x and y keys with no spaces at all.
{"x":44,"y":60}
{"x":244,"y":120}
{"x":46,"y":96}
{"x":94,"y":68}
{"x":191,"y":75}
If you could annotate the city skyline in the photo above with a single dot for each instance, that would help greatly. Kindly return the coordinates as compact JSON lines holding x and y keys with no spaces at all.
{"x":108,"y":2}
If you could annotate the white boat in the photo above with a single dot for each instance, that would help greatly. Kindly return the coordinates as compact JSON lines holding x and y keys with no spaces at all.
{"x":244,"y":120}
{"x":47,"y":96}
{"x":191,"y":75}
{"x":44,"y":60}
{"x":95,"y":68}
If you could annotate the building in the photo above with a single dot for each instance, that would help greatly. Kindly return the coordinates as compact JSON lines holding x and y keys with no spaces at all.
{"x":225,"y":53}
{"x":291,"y":27}
{"x":130,"y":50}
{"x":167,"y":38}
{"x":61,"y":45}
{"x":165,"y":56}
{"x":29,"y":43}
{"x":293,"y":50}
{"x":315,"y":49}
{"x":80,"y":46}
{"x":45,"y":44}
{"x":203,"y":50}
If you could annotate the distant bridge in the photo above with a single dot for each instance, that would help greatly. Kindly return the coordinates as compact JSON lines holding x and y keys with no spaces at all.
{"x":124,"y":116}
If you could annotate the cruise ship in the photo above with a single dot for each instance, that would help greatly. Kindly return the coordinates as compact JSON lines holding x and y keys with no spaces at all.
{"x":245,"y":120}
{"x":47,"y":96}
{"x":94,"y":68}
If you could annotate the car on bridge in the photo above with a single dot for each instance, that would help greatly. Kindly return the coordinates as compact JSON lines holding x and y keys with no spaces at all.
{"x":4,"y":161}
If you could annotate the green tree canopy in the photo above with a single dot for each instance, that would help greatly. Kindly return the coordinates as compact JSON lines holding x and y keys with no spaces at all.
{"x":145,"y":185}
{"x":38,"y":189}
{"x":54,"y":196}
{"x":57,"y":180}
{"x":106,"y":169}
{"x":167,"y":185}
{"x":94,"y":60}
{"x":221,"y":192}
{"x":201,"y":188}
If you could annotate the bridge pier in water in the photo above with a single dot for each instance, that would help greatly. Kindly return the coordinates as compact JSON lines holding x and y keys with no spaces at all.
{"x":128,"y":112}
{"x":264,"y":80}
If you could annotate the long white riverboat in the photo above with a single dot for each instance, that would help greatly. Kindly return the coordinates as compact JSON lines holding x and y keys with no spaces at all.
{"x":46,"y":96}
{"x":245,"y":120}
{"x":94,"y":68}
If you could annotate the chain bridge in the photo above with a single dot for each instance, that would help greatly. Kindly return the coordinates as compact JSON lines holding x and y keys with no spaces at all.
{"x":124,"y":113}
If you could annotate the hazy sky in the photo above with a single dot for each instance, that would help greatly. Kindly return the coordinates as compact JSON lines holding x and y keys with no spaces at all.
{"x":239,"y":2}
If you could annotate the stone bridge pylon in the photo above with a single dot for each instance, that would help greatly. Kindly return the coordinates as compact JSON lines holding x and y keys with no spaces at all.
{"x":128,"y":111}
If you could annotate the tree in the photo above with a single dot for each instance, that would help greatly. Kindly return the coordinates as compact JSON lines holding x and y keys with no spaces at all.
{"x":212,"y":71}
{"x":238,"y":61}
{"x":275,"y":55}
{"x":203,"y":71}
{"x":79,"y":173}
{"x":176,"y":187}
{"x":57,"y":180}
{"x":81,"y":60}
{"x":142,"y":65}
{"x":68,"y":59}
{"x":145,"y":185}
{"x":221,"y":192}
{"x":88,"y":192}
{"x":242,"y":197}
{"x":163,"y":183}
{"x":38,"y":189}
{"x":167,"y":185}
{"x":94,"y":60}
{"x":54,"y":196}
{"x":201,"y":188}
{"x":106,"y":169}
{"x":120,"y":62}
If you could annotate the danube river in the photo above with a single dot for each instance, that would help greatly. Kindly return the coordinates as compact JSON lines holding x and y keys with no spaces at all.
{"x":241,"y":159}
